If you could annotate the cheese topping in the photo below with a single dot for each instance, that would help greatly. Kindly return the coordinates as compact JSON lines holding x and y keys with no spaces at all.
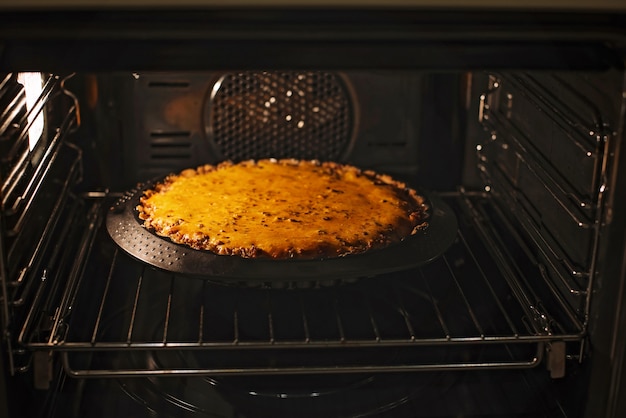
{"x":282,"y":208}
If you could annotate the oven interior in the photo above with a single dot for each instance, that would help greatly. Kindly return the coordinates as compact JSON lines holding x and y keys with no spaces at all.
{"x":501,"y":323}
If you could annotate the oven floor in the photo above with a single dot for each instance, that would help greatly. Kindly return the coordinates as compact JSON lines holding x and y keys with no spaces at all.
{"x":508,"y":393}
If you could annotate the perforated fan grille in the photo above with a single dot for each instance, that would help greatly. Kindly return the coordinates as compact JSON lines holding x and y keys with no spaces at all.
{"x":281,"y":115}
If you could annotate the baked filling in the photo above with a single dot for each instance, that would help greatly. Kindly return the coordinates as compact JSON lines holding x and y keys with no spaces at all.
{"x":282,"y":209}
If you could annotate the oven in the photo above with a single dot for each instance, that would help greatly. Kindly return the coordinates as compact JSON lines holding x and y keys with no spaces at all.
{"x":509,"y":120}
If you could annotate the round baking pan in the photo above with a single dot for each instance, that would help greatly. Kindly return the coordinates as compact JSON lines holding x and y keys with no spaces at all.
{"x":127,"y":231}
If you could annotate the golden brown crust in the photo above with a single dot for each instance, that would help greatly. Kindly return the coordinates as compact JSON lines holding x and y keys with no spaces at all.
{"x":282,"y":209}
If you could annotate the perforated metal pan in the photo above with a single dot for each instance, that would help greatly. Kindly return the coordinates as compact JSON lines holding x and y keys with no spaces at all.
{"x":125,"y":228}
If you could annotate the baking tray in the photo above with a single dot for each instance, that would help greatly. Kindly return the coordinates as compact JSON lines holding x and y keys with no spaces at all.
{"x":127,"y":231}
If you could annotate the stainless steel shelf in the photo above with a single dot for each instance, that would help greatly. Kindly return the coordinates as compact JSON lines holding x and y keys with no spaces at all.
{"x":118,"y":317}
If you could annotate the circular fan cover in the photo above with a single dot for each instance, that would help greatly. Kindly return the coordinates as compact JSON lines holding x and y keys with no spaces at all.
{"x":280,"y":115}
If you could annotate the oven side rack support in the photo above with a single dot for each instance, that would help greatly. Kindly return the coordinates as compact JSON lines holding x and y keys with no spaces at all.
{"x":32,"y":166}
{"x":579,"y":126}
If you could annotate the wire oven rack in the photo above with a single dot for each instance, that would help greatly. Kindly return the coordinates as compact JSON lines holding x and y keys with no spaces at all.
{"x":473,"y":308}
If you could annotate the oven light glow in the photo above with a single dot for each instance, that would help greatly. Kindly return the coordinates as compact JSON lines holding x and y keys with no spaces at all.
{"x":33,"y":87}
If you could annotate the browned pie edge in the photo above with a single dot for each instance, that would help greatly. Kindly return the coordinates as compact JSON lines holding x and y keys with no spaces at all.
{"x":416,"y":217}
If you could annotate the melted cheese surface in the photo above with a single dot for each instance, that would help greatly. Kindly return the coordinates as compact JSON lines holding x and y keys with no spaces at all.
{"x":278,"y":209}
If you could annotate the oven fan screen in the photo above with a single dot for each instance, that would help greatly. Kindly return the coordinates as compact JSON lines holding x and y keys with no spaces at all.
{"x":305,"y":115}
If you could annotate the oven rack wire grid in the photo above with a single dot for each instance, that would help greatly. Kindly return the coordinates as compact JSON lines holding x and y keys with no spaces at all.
{"x":469,"y":309}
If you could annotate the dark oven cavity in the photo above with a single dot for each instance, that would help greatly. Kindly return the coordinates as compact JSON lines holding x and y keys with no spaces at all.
{"x":506,"y":302}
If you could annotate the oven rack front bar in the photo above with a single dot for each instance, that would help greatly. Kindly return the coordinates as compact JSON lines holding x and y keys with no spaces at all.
{"x":470,"y":297}
{"x":219,"y":370}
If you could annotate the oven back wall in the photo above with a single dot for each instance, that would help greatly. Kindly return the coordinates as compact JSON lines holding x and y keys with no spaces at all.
{"x":151,"y":124}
